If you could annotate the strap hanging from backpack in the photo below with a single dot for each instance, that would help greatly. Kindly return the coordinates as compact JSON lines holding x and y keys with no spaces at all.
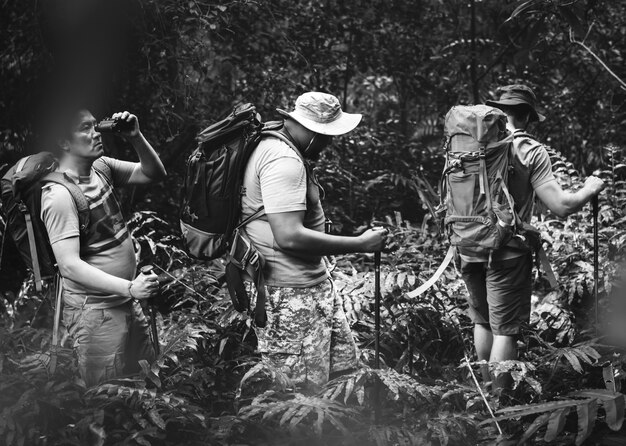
{"x":54,"y":347}
{"x":30,"y":231}
{"x":33,"y":251}
{"x":430,"y":282}
{"x":244,"y":257}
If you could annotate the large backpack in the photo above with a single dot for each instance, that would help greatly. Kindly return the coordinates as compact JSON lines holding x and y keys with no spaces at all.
{"x":479,"y":210}
{"x":211,"y":203}
{"x":21,"y":200}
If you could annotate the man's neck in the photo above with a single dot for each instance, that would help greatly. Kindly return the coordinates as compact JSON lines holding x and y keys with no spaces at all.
{"x":290,"y":130}
{"x":80,"y":166}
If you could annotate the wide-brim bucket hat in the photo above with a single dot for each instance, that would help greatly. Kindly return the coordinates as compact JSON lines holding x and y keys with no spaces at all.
{"x":519,"y":95}
{"x":321,"y":113}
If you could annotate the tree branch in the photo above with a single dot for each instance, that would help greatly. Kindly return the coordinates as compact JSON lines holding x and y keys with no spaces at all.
{"x":596,"y":57}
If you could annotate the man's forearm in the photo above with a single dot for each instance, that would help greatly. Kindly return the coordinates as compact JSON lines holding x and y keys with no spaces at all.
{"x":95,"y":279}
{"x":319,"y":243}
{"x":574,"y":201}
{"x":151,"y":164}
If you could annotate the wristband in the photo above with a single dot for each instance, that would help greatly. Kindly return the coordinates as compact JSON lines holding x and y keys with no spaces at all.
{"x":130,"y":285}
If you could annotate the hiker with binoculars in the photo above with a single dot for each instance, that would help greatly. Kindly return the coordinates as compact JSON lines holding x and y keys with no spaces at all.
{"x":96,"y":260}
{"x":499,"y":286}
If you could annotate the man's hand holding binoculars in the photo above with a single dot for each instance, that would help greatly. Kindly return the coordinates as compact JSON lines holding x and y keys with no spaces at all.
{"x":122,"y":123}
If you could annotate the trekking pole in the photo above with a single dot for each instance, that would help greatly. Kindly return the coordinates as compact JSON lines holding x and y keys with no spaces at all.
{"x":151,"y":309}
{"x":180,"y":282}
{"x":596,"y":247}
{"x":377,"y":332}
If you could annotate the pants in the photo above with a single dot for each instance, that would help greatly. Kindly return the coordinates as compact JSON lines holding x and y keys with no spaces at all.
{"x":108,"y":342}
{"x":307,"y":333}
{"x":499,"y":296}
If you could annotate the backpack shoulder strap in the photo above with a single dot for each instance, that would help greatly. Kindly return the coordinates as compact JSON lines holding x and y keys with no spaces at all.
{"x":104,"y":171}
{"x":82,"y":205}
{"x":260,"y":212}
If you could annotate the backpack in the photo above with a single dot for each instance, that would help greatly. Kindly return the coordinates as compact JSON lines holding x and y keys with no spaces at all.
{"x":211,"y":198}
{"x":479,"y":210}
{"x":20,"y":190}
{"x":211,"y":202}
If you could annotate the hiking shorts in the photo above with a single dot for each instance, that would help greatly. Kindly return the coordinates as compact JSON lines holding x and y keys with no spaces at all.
{"x":499,"y":296}
{"x":307,"y":334}
{"x":108,"y":342}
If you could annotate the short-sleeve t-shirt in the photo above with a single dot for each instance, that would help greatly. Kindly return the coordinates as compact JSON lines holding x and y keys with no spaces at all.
{"x":531,"y":168}
{"x":276,"y":177}
{"x":107,"y":245}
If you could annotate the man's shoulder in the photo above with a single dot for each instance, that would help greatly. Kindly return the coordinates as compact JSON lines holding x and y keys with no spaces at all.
{"x":57,"y":198}
{"x":272,"y":147}
{"x":104,"y":165}
{"x":529,"y":148}
{"x":54,"y":191}
{"x":526,"y":140}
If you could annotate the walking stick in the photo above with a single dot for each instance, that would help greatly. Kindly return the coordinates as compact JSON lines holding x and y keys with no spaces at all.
{"x":596,"y":247}
{"x":377,"y":332}
{"x":153,"y":328}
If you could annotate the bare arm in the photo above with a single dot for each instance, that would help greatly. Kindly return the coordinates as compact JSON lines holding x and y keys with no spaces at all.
{"x":71,"y":266}
{"x":149,"y":168}
{"x":564,"y":203}
{"x":291,"y":235}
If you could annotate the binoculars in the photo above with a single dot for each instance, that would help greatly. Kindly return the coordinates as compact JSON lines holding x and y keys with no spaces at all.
{"x":113,"y":125}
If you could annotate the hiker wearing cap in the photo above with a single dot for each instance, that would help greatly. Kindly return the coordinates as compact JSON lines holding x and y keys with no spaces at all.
{"x":307,"y":333}
{"x":500,"y":292}
{"x":97,"y":264}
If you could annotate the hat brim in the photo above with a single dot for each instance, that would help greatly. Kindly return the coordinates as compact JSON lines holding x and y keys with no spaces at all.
{"x":535,"y":116}
{"x":342,"y":125}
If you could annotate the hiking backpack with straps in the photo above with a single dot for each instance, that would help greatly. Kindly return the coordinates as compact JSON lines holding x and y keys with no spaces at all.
{"x":211,"y":201}
{"x":211,"y":198}
{"x":477,"y":208}
{"x":21,"y":199}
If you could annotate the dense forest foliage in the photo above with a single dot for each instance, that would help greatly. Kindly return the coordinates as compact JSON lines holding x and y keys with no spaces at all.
{"x":403,"y":64}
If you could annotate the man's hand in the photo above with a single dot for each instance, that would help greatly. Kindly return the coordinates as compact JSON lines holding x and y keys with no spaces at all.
{"x":373,"y":240}
{"x":595,"y":185}
{"x":144,"y":286}
{"x":131,"y":119}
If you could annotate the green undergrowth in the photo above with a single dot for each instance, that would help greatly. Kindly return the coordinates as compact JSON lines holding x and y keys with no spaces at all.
{"x":209,"y":386}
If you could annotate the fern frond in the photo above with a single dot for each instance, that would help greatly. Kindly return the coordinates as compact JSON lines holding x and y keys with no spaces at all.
{"x":576,"y":354}
{"x":297,"y":412}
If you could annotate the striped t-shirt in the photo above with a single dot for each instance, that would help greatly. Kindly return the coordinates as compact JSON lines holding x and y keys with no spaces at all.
{"x":107,"y":244}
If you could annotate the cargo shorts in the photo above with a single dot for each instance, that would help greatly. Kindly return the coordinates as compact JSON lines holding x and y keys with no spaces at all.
{"x":499,"y":296}
{"x":108,"y":343}
{"x":307,"y":334}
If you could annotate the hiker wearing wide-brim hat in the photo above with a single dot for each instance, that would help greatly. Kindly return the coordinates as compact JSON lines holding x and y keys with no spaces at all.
{"x":321,"y":113}
{"x":315,"y":119}
{"x":516,"y":95}
{"x":307,"y":334}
